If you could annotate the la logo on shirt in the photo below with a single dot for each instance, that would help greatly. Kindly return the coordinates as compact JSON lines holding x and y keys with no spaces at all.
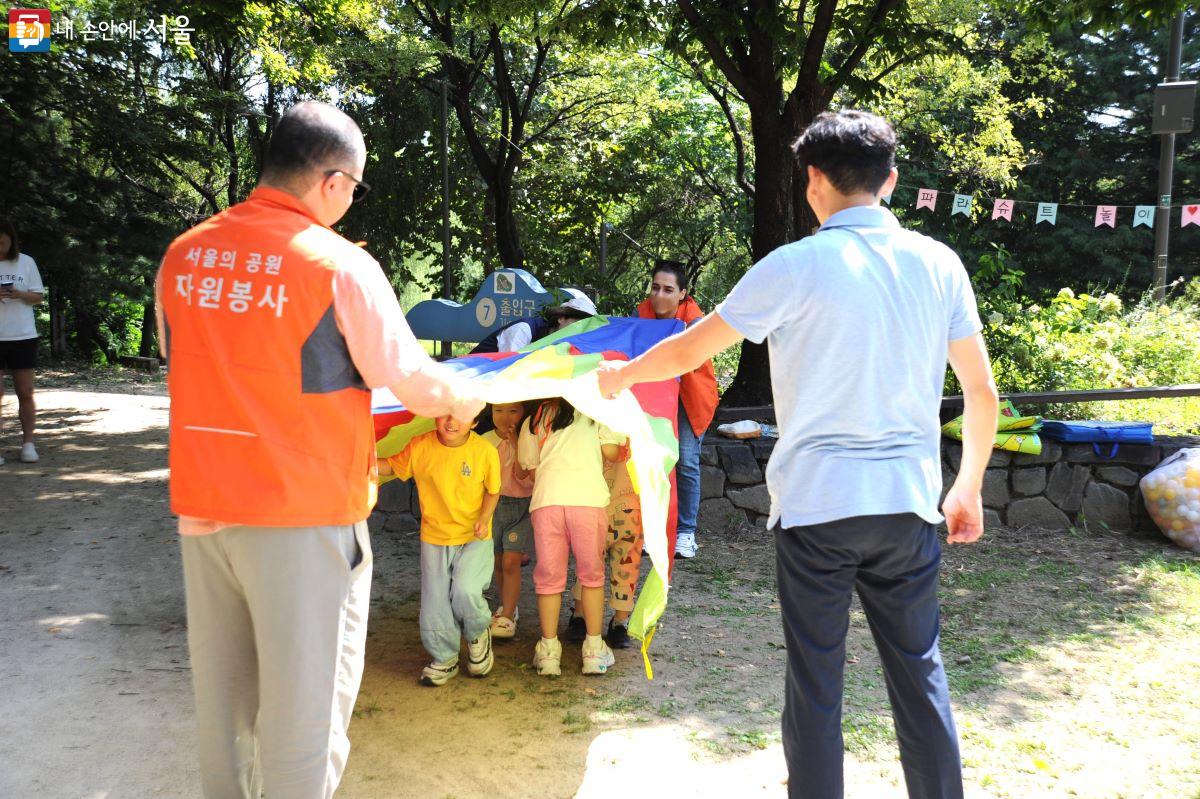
{"x":466,"y":469}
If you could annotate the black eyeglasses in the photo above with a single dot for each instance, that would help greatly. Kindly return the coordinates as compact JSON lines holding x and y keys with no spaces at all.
{"x":360,"y":188}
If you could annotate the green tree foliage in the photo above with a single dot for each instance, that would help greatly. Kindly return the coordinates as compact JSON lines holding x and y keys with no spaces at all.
{"x":668,"y":121}
{"x":1080,"y":106}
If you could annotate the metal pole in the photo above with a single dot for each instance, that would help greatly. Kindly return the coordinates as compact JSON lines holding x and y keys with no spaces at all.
{"x":1166,"y":169}
{"x":603,"y":248}
{"x":446,"y":288}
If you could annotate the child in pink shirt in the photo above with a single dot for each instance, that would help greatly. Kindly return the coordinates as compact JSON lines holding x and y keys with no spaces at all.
{"x":511,"y":528}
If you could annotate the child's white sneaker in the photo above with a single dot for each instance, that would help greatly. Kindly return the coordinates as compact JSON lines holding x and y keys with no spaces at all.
{"x":29,"y":453}
{"x":547,"y":657}
{"x":503,"y":627}
{"x":479,"y":655}
{"x":597,"y":657}
{"x":439,"y":673}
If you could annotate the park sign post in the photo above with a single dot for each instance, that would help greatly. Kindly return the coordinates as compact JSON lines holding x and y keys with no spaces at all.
{"x":506,"y":296}
{"x":1174,"y":107}
{"x":1174,"y":112}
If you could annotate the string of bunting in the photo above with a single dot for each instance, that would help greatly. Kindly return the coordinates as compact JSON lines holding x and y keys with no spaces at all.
{"x":1002,"y":208}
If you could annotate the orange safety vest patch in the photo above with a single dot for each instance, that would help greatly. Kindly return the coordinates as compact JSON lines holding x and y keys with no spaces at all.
{"x":697,"y":388}
{"x":270,"y":420}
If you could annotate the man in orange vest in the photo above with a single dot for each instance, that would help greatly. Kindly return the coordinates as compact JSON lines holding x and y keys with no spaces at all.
{"x":276,"y":328}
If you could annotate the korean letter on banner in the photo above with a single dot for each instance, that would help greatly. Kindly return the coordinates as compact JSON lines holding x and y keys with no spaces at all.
{"x":1143,"y":215}
{"x":926,"y":198}
{"x":1191,"y":215}
{"x":1106,"y":215}
{"x":962,"y":205}
{"x":1002,"y":209}
{"x":1047,"y":212}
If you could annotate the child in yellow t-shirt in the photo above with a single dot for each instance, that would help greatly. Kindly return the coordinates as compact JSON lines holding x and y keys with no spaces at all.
{"x":458,"y":480}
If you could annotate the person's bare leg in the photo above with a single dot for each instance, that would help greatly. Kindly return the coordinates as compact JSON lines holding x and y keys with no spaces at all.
{"x":622,"y":616}
{"x":23,"y":388}
{"x":593,"y":609}
{"x":549,"y":606}
{"x":510,"y":585}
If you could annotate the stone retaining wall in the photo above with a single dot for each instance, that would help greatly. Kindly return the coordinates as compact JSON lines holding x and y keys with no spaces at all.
{"x":1067,"y":486}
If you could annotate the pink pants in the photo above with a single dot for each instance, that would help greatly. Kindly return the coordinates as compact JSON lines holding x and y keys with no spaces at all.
{"x":559,"y":527}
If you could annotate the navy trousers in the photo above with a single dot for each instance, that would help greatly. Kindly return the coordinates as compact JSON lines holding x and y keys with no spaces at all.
{"x":892,"y":561}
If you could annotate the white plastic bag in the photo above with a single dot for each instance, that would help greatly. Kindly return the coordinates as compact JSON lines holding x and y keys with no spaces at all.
{"x":1172,"y":496}
{"x":743,"y":429}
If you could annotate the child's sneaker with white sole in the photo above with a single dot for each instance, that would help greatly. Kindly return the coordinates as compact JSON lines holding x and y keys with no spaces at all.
{"x":547,"y":657}
{"x":597,"y":657}
{"x":479,"y":655}
{"x":439,"y":673}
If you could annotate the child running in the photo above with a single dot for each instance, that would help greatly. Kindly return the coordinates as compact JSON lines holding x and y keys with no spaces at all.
{"x":567,"y":450}
{"x":512,"y":531}
{"x":458,"y":481}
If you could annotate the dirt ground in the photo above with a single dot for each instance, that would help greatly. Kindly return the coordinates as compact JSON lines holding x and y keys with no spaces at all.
{"x":1075,"y":661}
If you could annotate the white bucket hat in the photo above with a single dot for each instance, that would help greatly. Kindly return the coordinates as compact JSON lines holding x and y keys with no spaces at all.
{"x":578,"y":303}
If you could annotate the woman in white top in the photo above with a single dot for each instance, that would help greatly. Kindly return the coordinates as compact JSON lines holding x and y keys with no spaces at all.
{"x":20,"y":289}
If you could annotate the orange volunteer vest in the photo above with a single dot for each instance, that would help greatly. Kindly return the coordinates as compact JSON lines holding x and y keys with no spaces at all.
{"x":697,"y":388}
{"x":270,"y":420}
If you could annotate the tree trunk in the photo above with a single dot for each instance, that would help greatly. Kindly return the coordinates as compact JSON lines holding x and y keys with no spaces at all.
{"x":772,"y":229}
{"x":149,"y":346}
{"x":58,"y":324}
{"x":508,"y":238}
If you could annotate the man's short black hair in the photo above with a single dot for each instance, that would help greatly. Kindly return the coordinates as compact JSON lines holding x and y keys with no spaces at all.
{"x":856,"y":150}
{"x":311,"y":137}
{"x":676,"y":268}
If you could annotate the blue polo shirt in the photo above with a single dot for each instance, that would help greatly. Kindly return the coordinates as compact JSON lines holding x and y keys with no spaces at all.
{"x":857,"y":318}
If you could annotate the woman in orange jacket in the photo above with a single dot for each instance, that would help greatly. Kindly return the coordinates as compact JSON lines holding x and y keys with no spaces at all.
{"x":668,"y":299}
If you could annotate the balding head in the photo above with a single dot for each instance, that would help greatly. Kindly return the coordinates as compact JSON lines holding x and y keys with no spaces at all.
{"x":311,"y":141}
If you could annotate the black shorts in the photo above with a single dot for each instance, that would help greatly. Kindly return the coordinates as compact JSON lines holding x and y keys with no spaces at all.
{"x":18,"y":354}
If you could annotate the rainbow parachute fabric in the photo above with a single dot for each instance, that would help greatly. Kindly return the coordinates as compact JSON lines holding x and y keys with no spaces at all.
{"x":563,"y":365}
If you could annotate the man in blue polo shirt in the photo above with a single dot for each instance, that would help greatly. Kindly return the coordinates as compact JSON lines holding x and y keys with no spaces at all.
{"x":860,"y":319}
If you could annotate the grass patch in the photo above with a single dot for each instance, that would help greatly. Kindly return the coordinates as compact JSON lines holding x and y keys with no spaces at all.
{"x":669,"y":708}
{"x":366,"y":709}
{"x":629,"y":704}
{"x":576,"y":723}
{"x":752,"y":739}
{"x":865,"y":734}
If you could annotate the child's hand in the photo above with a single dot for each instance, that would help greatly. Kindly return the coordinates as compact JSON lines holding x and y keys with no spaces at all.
{"x":481,"y":529}
{"x":510,"y":435}
{"x":385,"y":468}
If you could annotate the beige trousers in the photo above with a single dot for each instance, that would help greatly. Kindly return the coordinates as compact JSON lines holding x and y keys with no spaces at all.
{"x":277,"y":625}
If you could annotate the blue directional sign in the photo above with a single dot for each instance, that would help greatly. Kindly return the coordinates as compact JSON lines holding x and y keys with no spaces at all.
{"x":507,"y":295}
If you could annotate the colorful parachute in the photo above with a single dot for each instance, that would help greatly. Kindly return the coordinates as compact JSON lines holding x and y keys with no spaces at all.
{"x":563,"y":365}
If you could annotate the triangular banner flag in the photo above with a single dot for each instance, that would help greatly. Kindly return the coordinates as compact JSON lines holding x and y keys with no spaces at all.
{"x":1002,"y":209}
{"x":1143,"y":215}
{"x":1191,"y":215}
{"x":1106,"y":215}
{"x":926,"y":198}
{"x":962,"y":205}
{"x":1047,"y":212}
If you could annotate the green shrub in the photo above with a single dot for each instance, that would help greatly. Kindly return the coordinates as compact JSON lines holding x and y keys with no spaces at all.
{"x":1087,"y":341}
